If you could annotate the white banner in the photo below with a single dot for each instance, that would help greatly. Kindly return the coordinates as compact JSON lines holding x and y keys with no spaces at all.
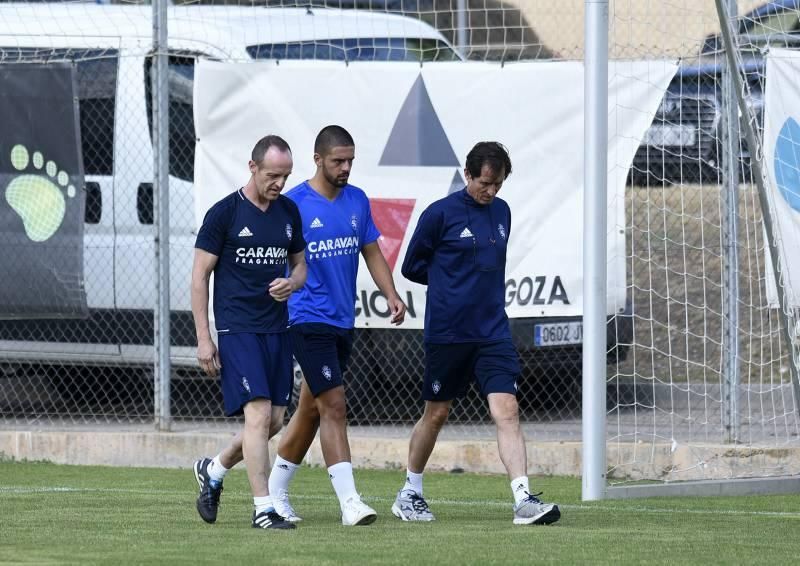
{"x":782,"y":162}
{"x":413,"y":127}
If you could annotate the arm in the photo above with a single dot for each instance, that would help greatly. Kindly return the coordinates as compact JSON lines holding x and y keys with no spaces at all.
{"x":207,"y":353}
{"x":420,"y":250}
{"x":379,"y":269}
{"x":282,"y":287}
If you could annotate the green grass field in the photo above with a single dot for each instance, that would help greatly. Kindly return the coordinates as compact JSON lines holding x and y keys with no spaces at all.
{"x":90,"y":515}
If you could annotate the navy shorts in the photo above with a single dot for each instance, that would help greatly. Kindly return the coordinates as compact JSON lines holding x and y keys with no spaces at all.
{"x":255,"y":366}
{"x":450,"y":368}
{"x":322,"y":350}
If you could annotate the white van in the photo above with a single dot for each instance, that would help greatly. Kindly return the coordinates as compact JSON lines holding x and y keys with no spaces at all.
{"x":111,"y":47}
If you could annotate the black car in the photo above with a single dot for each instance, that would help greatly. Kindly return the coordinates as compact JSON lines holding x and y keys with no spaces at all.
{"x":684,"y":142}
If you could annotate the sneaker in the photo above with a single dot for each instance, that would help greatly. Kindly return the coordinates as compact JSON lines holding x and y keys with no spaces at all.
{"x":208,"y":500}
{"x":284,"y":508}
{"x":410,"y":506}
{"x":531,"y":511}
{"x":271,"y":520}
{"x":356,"y":512}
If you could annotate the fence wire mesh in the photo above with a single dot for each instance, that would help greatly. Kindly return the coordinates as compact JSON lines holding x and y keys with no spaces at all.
{"x":666,"y":343}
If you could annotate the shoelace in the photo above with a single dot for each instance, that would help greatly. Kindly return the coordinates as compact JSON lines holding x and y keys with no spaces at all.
{"x":418,"y":503}
{"x":534,"y":497}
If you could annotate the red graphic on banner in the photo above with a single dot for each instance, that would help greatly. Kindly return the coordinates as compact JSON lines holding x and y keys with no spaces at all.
{"x":391,"y":216}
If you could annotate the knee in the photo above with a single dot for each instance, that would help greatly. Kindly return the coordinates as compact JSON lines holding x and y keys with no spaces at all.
{"x":436,"y":416}
{"x":333,"y":409}
{"x":258,"y":419}
{"x":308,"y":412}
{"x":505,"y":412}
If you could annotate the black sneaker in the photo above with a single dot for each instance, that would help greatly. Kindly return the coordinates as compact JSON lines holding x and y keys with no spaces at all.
{"x":271,"y":520}
{"x":208,"y":500}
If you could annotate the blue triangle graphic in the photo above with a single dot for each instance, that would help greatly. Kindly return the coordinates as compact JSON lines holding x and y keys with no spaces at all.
{"x":417,"y":138}
{"x":457,"y":183}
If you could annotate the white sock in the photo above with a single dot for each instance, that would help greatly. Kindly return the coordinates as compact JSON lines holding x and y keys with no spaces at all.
{"x":520,"y":489}
{"x":282,"y":473}
{"x":216,"y":471}
{"x":263,"y":504}
{"x":344,"y":485}
{"x":413,"y":482}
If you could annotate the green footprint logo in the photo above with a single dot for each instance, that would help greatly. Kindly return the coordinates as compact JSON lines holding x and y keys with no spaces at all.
{"x":38,"y":197}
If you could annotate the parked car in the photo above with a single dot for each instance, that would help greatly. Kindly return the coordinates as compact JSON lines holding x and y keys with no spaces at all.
{"x":684,"y":142}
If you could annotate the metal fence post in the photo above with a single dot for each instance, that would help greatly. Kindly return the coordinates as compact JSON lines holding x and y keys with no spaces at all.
{"x":730,"y":239}
{"x":461,"y":27}
{"x":161,"y":338}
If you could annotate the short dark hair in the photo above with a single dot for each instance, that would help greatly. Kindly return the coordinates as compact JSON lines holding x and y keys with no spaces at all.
{"x":330,"y":137}
{"x":263,"y":145}
{"x":491,"y":153}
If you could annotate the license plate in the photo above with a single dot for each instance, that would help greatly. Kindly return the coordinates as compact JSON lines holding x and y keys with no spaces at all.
{"x":558,"y":334}
{"x":664,"y":136}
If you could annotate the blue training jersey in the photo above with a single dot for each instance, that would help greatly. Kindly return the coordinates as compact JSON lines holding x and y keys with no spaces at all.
{"x":252,"y":246}
{"x":459,"y":251}
{"x":335,"y":231}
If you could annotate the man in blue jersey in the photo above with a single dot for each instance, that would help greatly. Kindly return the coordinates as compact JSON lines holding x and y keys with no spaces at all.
{"x":252,"y":241}
{"x":459,"y":251}
{"x":338,"y":226}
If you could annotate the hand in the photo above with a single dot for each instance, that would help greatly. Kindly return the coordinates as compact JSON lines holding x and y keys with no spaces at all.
{"x":208,"y":356}
{"x":398,"y":310}
{"x":281,"y":288}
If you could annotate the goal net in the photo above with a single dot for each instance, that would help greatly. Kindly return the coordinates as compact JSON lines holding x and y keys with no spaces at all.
{"x":709,"y":388}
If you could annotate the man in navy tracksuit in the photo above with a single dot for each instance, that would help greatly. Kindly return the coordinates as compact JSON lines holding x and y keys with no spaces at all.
{"x":459,"y":251}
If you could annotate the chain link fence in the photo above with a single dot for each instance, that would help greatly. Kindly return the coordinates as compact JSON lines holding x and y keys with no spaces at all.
{"x":99,"y":368}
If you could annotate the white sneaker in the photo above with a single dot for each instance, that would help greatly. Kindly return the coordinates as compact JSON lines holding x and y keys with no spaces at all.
{"x":532,"y":511}
{"x":356,"y":512}
{"x":284,"y":508}
{"x":410,"y":506}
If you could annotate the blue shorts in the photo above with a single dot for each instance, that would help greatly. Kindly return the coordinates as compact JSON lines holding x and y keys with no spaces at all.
{"x":322,"y":350}
{"x":450,"y":368}
{"x":255,"y":366}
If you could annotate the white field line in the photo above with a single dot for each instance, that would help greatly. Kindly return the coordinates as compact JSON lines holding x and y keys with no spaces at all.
{"x":24,"y":490}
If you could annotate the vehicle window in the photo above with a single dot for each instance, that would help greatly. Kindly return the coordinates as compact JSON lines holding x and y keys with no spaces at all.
{"x":180,"y":77}
{"x":357,"y":49}
{"x":96,"y":71}
{"x":783,"y":22}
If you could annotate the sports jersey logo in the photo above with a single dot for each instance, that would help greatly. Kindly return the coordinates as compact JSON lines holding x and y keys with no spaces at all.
{"x":246,"y":384}
{"x":501,"y":230}
{"x":465,"y":233}
{"x":436,"y":386}
{"x":289,"y":231}
{"x":327,"y":373}
{"x":245,"y":232}
{"x":354,"y":222}
{"x":317,"y":223}
{"x":258,"y":256}
{"x":334,"y":246}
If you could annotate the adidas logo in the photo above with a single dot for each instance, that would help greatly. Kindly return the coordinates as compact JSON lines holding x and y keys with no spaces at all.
{"x":245,"y":232}
{"x":316,"y":223}
{"x":283,"y":466}
{"x":466,"y":233}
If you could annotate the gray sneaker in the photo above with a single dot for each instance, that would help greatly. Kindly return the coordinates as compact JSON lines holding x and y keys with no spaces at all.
{"x":531,"y":511}
{"x":410,"y":506}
